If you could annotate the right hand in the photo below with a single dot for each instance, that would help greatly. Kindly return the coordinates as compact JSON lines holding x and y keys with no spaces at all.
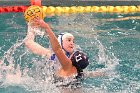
{"x":41,"y":23}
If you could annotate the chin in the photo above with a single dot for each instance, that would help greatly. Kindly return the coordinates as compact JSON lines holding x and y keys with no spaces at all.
{"x":71,"y":51}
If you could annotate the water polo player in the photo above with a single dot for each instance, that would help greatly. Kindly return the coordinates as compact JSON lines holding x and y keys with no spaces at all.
{"x":72,"y":65}
{"x":69,"y":65}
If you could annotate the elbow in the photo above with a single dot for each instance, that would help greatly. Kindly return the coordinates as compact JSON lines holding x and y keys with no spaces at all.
{"x":27,"y":42}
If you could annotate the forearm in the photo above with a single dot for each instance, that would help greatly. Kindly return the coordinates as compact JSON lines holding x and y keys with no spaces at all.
{"x":30,"y":36}
{"x":33,"y":46}
{"x":53,"y":39}
{"x":29,"y":39}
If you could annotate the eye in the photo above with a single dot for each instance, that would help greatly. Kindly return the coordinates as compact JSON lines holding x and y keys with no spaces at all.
{"x":69,"y":39}
{"x":73,"y":41}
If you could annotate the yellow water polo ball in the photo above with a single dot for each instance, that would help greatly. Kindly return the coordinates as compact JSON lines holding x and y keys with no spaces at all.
{"x":32,"y":12}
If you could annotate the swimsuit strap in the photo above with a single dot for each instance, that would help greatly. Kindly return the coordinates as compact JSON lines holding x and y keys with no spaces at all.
{"x":52,"y":57}
{"x":67,"y":54}
{"x":80,"y":74}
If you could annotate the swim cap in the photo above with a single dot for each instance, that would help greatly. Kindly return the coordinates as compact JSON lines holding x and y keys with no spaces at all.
{"x":79,"y":60}
{"x":32,"y":12}
{"x":62,"y":36}
{"x":59,"y":38}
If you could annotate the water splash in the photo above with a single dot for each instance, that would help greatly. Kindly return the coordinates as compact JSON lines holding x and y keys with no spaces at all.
{"x":17,"y":70}
{"x":104,"y":56}
{"x":36,"y":29}
{"x":36,"y":78}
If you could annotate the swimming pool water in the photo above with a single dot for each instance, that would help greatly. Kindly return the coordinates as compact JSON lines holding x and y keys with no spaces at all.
{"x":110,"y":40}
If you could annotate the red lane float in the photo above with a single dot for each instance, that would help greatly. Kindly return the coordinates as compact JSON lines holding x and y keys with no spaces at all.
{"x":19,"y":9}
{"x":1,"y":9}
{"x":13,"y":9}
{"x":8,"y":9}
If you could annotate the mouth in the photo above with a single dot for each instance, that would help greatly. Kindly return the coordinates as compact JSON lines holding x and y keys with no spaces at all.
{"x":71,"y":47}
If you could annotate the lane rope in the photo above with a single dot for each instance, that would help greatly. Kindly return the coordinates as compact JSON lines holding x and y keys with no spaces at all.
{"x":75,"y":9}
{"x":51,"y":10}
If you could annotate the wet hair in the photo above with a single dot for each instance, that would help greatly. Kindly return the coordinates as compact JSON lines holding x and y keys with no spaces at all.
{"x":80,"y":61}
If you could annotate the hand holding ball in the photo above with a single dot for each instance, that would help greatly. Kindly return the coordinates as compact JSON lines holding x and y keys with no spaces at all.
{"x":33,"y":12}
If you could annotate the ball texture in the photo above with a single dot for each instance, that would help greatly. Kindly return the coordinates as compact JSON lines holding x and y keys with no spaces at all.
{"x":32,"y":12}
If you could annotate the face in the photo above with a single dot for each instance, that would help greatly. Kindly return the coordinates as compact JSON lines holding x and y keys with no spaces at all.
{"x":68,"y":42}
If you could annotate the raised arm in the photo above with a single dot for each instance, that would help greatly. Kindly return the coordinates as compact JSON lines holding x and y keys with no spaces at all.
{"x":65,"y":62}
{"x":35,"y":47}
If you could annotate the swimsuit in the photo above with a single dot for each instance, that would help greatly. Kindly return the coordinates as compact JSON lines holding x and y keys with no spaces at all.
{"x":71,"y":82}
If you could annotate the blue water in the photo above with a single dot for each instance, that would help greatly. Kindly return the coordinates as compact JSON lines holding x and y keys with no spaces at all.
{"x":110,"y":40}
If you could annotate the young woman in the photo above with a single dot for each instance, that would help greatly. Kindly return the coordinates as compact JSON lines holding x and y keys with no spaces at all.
{"x":68,"y":45}
{"x":71,"y":66}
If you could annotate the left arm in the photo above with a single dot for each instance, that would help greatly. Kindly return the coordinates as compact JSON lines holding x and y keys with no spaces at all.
{"x":34,"y":46}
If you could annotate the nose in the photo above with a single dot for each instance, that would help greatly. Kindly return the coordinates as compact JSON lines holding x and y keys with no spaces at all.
{"x":72,"y":43}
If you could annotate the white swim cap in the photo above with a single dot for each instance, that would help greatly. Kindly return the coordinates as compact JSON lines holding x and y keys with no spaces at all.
{"x":63,"y":36}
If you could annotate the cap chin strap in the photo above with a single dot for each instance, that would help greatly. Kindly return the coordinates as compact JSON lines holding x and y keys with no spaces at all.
{"x":79,"y":73}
